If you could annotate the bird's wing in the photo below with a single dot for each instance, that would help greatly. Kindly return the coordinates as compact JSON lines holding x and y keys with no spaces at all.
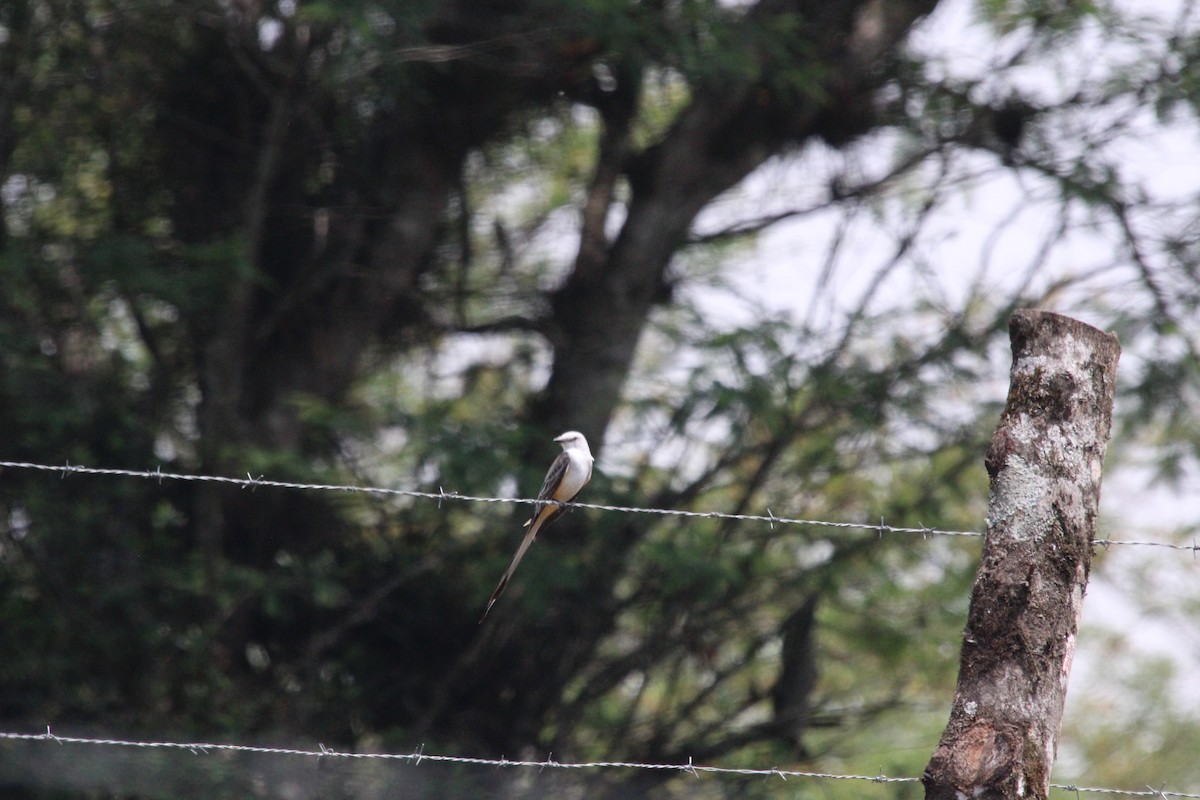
{"x":553,"y":478}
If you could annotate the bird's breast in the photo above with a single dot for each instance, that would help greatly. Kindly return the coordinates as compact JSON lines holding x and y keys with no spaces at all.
{"x":579,"y":472}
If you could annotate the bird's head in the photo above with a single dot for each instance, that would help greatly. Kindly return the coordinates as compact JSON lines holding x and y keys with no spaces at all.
{"x":573,"y":439}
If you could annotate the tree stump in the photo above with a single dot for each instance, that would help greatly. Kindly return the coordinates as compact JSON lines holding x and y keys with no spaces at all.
{"x":1044,"y":465}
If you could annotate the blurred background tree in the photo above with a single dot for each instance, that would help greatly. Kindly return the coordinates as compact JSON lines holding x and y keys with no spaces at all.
{"x":406,"y":243}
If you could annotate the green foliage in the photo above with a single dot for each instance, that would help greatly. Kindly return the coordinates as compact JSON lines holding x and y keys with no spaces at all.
{"x":1045,"y":17}
{"x":201,"y":209}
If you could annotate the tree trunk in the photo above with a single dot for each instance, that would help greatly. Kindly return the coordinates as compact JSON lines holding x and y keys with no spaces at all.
{"x":601,"y":311}
{"x":717,"y":140}
{"x":1044,"y":463}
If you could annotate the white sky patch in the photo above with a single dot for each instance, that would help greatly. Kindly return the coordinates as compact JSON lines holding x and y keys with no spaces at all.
{"x":985,"y":241}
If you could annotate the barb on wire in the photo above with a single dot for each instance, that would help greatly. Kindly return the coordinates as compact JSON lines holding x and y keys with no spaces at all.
{"x":442,"y":495}
{"x":419,"y":755}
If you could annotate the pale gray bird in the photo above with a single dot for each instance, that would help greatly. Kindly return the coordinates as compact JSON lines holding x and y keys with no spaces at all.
{"x":569,"y":473}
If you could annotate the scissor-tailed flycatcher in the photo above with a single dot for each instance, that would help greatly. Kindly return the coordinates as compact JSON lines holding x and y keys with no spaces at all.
{"x":569,"y":473}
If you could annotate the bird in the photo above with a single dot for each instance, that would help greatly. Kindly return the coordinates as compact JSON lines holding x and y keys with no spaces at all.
{"x":569,"y":473}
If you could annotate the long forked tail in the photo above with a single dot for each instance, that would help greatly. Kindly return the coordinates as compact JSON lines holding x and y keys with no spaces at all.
{"x":528,"y":540}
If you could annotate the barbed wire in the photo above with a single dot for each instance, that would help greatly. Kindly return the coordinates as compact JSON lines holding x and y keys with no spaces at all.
{"x":419,"y":755}
{"x":252,"y":482}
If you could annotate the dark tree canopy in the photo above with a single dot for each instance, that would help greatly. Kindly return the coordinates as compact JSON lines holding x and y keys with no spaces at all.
{"x":407,"y":243}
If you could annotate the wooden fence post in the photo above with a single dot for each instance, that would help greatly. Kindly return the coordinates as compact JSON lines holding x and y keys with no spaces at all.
{"x":1044,"y":465}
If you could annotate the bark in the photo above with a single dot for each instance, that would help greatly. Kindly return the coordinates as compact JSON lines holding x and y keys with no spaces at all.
{"x":1045,"y":465}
